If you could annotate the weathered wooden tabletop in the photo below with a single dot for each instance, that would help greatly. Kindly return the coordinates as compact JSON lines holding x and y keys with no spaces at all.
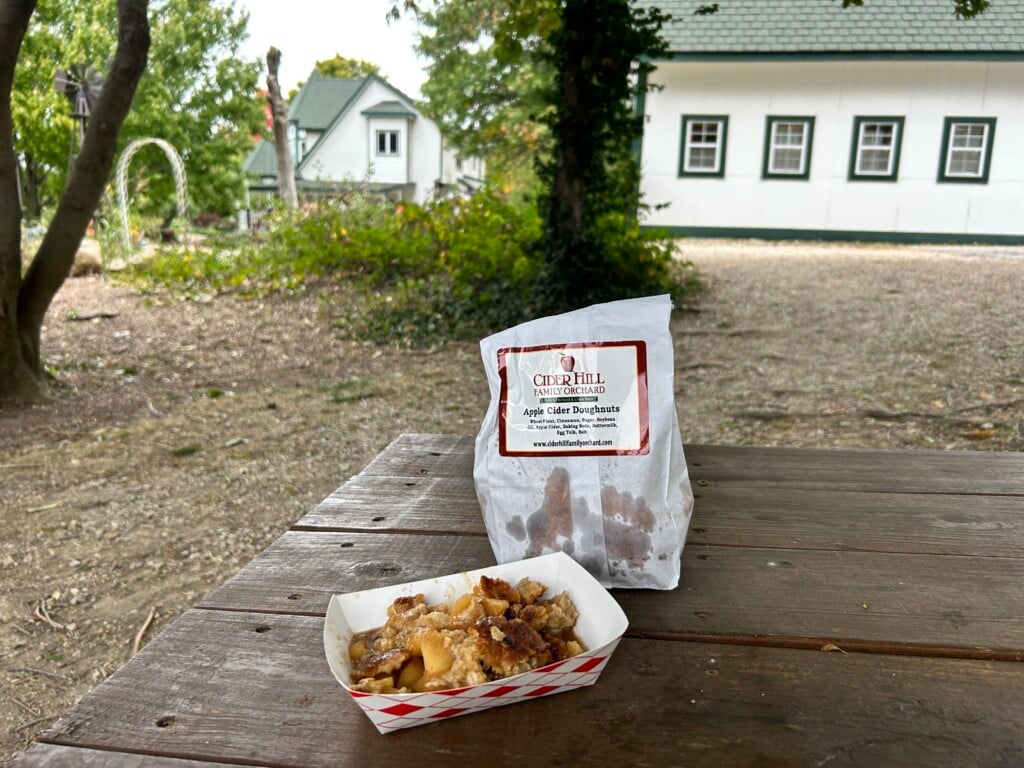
{"x":911,"y":563}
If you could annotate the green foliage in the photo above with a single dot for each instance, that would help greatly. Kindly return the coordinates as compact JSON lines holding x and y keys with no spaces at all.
{"x":964,"y":9}
{"x":590,"y":248}
{"x":486,"y":81}
{"x":346,"y":68}
{"x":452,"y":268}
{"x":550,"y":84}
{"x":196,"y":93}
{"x":341,"y":67}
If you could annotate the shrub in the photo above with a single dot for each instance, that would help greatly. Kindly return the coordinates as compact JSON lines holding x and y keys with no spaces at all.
{"x":454,"y":268}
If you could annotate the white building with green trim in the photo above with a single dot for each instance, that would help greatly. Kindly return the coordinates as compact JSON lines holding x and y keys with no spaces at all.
{"x":800,"y":119}
{"x":361,"y":134}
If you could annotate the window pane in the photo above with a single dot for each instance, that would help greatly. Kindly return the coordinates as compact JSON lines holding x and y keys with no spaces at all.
{"x":877,"y":134}
{"x":967,"y":135}
{"x":702,"y":158}
{"x":874,"y":161}
{"x":703,"y":146}
{"x":789,"y":134}
{"x":387,"y":142}
{"x":786,"y":161}
{"x":788,"y":147}
{"x":704,"y":133}
{"x":964,"y":163}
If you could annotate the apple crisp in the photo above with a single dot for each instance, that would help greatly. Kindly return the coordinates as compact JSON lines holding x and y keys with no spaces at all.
{"x":494,"y":631}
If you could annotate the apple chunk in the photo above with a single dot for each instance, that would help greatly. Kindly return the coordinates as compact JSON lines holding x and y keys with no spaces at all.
{"x":437,"y":658}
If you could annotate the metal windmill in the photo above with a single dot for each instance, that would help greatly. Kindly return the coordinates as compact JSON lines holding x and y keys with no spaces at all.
{"x":82,"y":85}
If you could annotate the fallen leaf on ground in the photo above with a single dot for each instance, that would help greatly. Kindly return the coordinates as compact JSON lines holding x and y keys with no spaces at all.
{"x":979,"y":434}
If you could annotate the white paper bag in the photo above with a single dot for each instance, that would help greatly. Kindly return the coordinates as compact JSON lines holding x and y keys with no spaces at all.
{"x":580,"y":448}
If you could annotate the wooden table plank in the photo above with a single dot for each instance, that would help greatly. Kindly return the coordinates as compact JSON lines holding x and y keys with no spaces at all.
{"x":385,"y":502}
{"x":727,"y":515}
{"x":918,"y":603}
{"x":424,"y":455}
{"x":877,"y":471}
{"x":738,"y":515}
{"x":405,"y":490}
{"x":54,"y":756}
{"x":300,"y":571}
{"x":250,"y":688}
{"x":872,"y":470}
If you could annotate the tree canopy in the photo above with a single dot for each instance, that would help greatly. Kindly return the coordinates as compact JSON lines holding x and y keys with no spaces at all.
{"x":488,"y":84}
{"x":197,"y":93}
{"x":341,"y":67}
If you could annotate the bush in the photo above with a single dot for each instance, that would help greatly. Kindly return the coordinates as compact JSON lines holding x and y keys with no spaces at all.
{"x":455,"y":268}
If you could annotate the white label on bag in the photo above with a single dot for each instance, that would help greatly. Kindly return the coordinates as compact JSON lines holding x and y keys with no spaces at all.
{"x":586,"y":399}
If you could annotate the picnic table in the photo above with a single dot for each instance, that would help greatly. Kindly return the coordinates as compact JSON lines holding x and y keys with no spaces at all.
{"x":836,"y":608}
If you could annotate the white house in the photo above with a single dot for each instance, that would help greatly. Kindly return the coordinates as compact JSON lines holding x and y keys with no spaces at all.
{"x":362,"y":133}
{"x":801,"y":119}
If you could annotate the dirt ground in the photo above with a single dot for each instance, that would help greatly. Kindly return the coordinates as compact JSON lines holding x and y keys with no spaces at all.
{"x":184,"y":437}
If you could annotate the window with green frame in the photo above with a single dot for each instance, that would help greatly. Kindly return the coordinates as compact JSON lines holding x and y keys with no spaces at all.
{"x":702,"y":150}
{"x":967,"y":149}
{"x":787,"y":147}
{"x":875,"y":148}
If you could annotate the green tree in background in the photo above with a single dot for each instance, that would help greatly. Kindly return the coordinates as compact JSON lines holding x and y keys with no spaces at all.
{"x":549,"y":85}
{"x":592,"y":248}
{"x":42,"y":117}
{"x":347,"y":69}
{"x":197,"y":93}
{"x":341,"y":67}
{"x":488,"y":85}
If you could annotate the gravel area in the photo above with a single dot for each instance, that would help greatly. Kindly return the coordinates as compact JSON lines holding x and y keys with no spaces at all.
{"x":184,"y":437}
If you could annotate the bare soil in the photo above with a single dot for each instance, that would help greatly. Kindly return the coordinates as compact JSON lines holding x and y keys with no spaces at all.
{"x":184,"y":437}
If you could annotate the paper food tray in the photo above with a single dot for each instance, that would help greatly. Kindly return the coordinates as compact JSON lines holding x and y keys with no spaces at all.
{"x":599,"y":627}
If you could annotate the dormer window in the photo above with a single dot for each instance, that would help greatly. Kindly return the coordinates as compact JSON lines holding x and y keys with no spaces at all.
{"x":387,"y":143}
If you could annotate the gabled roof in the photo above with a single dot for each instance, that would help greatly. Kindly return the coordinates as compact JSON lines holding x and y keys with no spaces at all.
{"x":895,"y":28}
{"x":320,"y":99}
{"x":389,"y":109}
{"x":261,"y":161}
{"x":318,"y":106}
{"x":340,"y":113}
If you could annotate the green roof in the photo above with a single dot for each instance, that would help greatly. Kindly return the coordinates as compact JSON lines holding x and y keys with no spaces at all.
{"x":824,"y":27}
{"x":318,"y":105}
{"x":320,"y":99}
{"x":261,"y":161}
{"x":389,"y":109}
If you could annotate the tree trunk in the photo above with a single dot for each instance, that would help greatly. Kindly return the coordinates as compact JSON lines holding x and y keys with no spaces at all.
{"x":23,"y":379}
{"x":16,"y":378}
{"x":32,"y":187}
{"x":285,"y":166}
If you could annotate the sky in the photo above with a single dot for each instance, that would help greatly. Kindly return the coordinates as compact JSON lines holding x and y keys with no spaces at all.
{"x":309,"y":30}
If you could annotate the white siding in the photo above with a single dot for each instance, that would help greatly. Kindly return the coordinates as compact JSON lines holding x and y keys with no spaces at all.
{"x":924,"y":93}
{"x":425,"y":167}
{"x":389,"y":168}
{"x":347,"y":151}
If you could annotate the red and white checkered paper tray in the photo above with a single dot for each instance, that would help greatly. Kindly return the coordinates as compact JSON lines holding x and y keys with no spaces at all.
{"x":599,"y":627}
